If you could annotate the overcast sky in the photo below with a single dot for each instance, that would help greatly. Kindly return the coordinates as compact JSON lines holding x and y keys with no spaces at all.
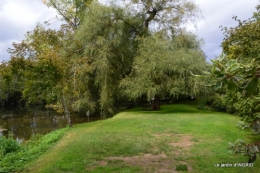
{"x":19,"y":16}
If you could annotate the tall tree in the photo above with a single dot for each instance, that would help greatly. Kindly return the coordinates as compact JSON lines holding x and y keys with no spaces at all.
{"x":46,"y":69}
{"x":115,"y":39}
{"x":107,"y":37}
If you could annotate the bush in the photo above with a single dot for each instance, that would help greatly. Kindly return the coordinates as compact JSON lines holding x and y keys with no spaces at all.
{"x":219,"y":103}
{"x":8,"y":145}
{"x":205,"y":103}
{"x":216,"y":102}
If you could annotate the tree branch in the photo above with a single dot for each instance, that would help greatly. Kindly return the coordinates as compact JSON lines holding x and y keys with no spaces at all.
{"x":63,"y":15}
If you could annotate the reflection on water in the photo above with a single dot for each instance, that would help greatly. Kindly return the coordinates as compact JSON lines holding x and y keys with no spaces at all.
{"x":25,"y":125}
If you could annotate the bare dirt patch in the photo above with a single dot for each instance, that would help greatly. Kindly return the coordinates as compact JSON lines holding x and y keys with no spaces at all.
{"x":151,"y":163}
{"x":160,"y":163}
{"x":183,"y":141}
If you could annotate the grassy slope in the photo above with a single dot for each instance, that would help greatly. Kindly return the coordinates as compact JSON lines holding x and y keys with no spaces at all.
{"x":89,"y":147}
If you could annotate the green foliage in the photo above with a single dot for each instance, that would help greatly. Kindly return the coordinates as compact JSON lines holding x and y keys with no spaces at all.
{"x":242,"y":41}
{"x":88,"y":62}
{"x":243,"y":125}
{"x":15,"y":156}
{"x":168,"y":64}
{"x":219,"y":103}
{"x":8,"y":145}
{"x":12,"y":80}
{"x":240,"y":86}
{"x":254,"y":126}
{"x":109,"y":48}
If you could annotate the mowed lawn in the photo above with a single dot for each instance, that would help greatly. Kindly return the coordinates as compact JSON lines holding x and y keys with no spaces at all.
{"x":147,"y":141}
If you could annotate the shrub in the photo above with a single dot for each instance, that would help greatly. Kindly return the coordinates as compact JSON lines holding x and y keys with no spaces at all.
{"x":219,"y":103}
{"x":205,"y":102}
{"x":8,"y":145}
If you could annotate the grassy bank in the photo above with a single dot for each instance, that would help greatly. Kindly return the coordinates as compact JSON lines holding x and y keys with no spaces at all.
{"x":14,"y":156}
{"x":145,"y":141}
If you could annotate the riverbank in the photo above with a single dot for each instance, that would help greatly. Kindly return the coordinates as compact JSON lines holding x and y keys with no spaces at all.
{"x":178,"y":136}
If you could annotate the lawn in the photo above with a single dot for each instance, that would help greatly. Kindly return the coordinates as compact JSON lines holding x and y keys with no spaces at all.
{"x":177,"y":137}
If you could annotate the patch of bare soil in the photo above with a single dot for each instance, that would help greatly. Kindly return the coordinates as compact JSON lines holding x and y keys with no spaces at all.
{"x":155,"y":163}
{"x":149,"y":162}
{"x":183,"y":142}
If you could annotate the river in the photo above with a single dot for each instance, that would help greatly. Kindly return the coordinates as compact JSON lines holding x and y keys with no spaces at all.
{"x":23,"y":125}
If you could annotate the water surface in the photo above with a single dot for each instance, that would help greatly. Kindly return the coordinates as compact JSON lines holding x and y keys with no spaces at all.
{"x":23,"y":125}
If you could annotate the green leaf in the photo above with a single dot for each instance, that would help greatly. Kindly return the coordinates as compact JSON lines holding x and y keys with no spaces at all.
{"x":220,"y":77}
{"x":256,"y":98}
{"x":230,"y":63}
{"x":197,"y":76}
{"x":234,"y":67}
{"x":231,"y":85}
{"x":221,"y":57}
{"x":213,"y":84}
{"x":255,"y":149}
{"x":207,"y":73}
{"x":251,"y":88}
{"x":251,"y":72}
{"x":218,"y":85}
{"x":216,"y":71}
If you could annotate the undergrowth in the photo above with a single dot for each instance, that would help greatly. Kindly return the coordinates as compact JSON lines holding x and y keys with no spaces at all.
{"x":13,"y":155}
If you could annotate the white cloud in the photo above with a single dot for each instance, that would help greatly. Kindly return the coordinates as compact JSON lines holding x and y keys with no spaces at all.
{"x":2,"y":3}
{"x":19,"y":16}
{"x":216,"y":13}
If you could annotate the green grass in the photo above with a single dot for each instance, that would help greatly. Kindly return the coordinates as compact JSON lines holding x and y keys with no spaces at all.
{"x":146,"y":141}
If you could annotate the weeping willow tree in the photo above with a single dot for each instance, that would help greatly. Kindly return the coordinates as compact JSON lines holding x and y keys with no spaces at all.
{"x":129,"y":57}
{"x":107,"y":38}
{"x":163,"y":66}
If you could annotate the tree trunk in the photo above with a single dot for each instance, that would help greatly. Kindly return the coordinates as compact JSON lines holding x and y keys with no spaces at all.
{"x":66,"y":112}
{"x":155,"y":104}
